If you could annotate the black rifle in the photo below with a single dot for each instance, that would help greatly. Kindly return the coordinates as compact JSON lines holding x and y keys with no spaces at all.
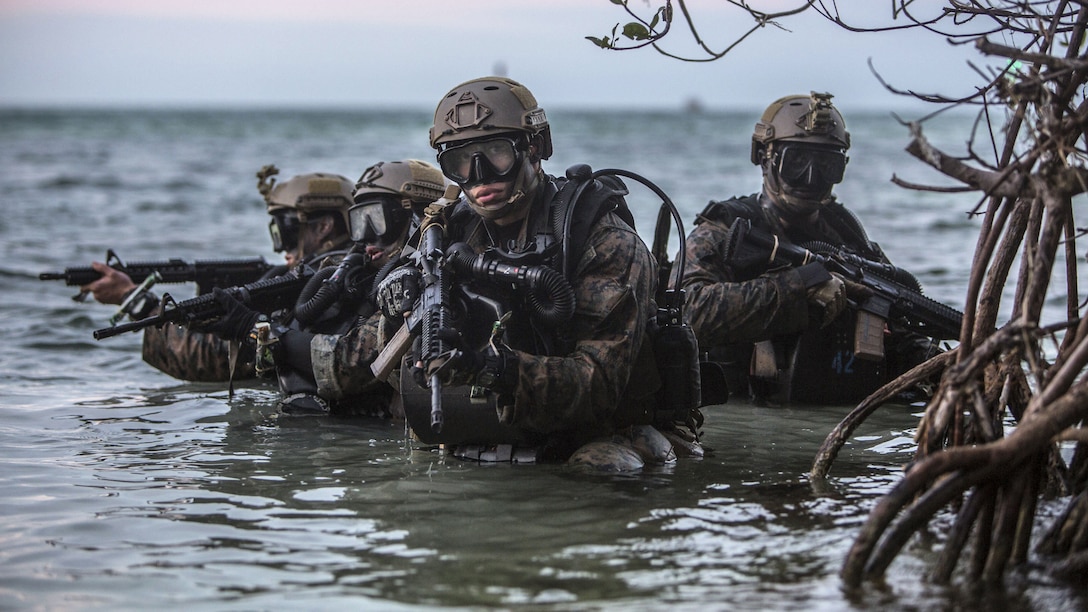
{"x":434,"y":306}
{"x":891,"y":299}
{"x":206,"y":274}
{"x":549,"y":300}
{"x":431,"y":311}
{"x":267,"y":296}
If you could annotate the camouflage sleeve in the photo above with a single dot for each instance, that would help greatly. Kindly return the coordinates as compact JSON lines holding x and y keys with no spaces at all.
{"x":194,"y":356}
{"x":615,"y":282}
{"x":723,"y":308}
{"x":341,"y":363}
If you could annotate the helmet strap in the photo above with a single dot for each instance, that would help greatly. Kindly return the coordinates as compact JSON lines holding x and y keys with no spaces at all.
{"x":536,"y":145}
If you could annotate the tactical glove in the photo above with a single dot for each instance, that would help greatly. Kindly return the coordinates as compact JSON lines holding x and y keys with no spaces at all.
{"x":237,"y":319}
{"x":856,"y":291}
{"x":826,"y":293}
{"x":398,"y":292}
{"x":495,"y":367}
{"x":827,"y":300}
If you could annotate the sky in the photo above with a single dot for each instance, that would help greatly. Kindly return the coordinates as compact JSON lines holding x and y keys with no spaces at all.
{"x":408,"y":53}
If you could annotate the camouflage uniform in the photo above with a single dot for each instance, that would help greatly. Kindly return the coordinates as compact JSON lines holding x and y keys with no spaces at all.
{"x":607,"y":379}
{"x":731,"y":307}
{"x":570,"y":398}
{"x":341,"y":362}
{"x":196,"y":356}
{"x":546,"y":382}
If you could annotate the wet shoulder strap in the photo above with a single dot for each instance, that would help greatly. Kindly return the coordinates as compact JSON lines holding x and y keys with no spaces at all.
{"x":846,"y":223}
{"x":586,"y":201}
{"x":725,"y":211}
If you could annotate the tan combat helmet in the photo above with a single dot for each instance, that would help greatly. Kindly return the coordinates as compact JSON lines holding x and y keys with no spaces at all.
{"x":396,"y":189}
{"x":487,"y":107}
{"x":808,"y":119}
{"x":306,"y":194}
{"x":413,"y":181}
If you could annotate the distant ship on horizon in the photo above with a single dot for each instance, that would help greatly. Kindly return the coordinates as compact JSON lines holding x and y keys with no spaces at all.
{"x":693,"y":105}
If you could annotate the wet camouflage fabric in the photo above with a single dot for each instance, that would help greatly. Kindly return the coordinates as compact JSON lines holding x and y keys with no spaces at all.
{"x":730,"y":306}
{"x":342,"y":362}
{"x":194,"y":356}
{"x":202,"y":357}
{"x":573,"y":396}
{"x":613,"y":283}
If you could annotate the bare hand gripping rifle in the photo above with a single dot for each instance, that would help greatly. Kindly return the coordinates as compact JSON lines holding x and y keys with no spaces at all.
{"x":206,"y":274}
{"x":266,"y":295}
{"x":893,"y":298}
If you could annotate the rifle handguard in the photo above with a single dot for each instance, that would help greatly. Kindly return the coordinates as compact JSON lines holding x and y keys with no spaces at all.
{"x":266,"y":295}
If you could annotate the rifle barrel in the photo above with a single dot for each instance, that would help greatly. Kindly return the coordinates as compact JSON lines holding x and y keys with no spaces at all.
{"x":437,"y":417}
{"x":220,"y":273}
{"x":265,"y":295}
{"x":938,"y":321}
{"x":116,"y":330}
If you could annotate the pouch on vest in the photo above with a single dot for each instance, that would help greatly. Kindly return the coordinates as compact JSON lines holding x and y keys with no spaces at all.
{"x":764,"y":361}
{"x":675,"y":348}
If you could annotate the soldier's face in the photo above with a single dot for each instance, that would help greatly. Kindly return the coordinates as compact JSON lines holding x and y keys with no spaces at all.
{"x":491,"y":196}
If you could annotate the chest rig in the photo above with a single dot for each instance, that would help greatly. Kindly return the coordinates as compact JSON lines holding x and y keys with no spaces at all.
{"x":555,"y":237}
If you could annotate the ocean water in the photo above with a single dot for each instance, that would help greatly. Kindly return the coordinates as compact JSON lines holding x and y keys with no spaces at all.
{"x":122,"y":488}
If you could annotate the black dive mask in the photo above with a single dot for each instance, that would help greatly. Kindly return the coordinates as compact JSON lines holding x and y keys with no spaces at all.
{"x":376,"y":220}
{"x":482,"y":161}
{"x":810,"y":168}
{"x":284,"y":228}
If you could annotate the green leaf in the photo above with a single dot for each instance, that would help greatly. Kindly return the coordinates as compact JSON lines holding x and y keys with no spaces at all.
{"x":600,"y":42}
{"x":636,"y":31}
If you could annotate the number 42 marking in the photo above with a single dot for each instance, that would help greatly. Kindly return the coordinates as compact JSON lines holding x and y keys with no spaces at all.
{"x":843,"y":362}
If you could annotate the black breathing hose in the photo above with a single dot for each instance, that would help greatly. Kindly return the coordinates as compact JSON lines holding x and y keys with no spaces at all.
{"x":328,"y":286}
{"x":550,"y":296}
{"x":316,"y":296}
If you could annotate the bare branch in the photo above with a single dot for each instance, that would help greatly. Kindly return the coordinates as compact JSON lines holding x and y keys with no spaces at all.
{"x":1027,"y":157}
{"x":1007,"y":183}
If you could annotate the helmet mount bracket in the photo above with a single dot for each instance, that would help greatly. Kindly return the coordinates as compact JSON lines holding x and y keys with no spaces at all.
{"x":467,"y":112}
